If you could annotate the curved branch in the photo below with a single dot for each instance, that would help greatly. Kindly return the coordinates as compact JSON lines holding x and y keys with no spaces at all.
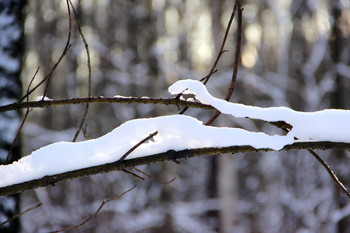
{"x":166,"y":156}
{"x":88,"y":63}
{"x":63,"y":54}
{"x":235,"y":64}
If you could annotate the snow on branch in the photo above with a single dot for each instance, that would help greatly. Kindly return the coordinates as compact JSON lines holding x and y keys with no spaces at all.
{"x":326,"y":125}
{"x":177,"y":132}
{"x":178,"y":136}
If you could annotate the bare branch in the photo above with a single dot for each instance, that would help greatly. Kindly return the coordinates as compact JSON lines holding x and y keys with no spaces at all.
{"x":97,"y":211}
{"x":330,"y":172}
{"x":134,"y":148}
{"x":222,"y":48}
{"x":153,"y":178}
{"x":222,"y":51}
{"x":116,"y":100}
{"x":133,"y":174}
{"x":20,"y":214}
{"x":138,"y":144}
{"x":23,"y":120}
{"x":88,"y":62}
{"x":236,"y":62}
{"x":64,"y":52}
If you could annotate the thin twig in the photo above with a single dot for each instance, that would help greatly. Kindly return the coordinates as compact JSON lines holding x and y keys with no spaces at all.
{"x":222,"y":51}
{"x":7,"y":160}
{"x":324,"y":164}
{"x":32,"y":80}
{"x":64,"y":52}
{"x":89,"y":70}
{"x":133,"y":174}
{"x":142,"y":172}
{"x":66,"y":47}
{"x":23,"y":120}
{"x":153,"y":178}
{"x":327,"y":167}
{"x":330,"y":172}
{"x":237,"y":54}
{"x":137,"y":145}
{"x":96,"y":212}
{"x":236,"y":62}
{"x":211,"y":72}
{"x":134,"y":148}
{"x":20,"y":214}
{"x":222,"y":48}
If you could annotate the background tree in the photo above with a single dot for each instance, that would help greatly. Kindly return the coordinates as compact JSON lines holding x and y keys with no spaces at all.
{"x":11,"y":52}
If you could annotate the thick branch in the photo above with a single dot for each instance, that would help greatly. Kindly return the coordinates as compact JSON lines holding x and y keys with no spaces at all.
{"x":167,"y":156}
{"x":117,"y":100}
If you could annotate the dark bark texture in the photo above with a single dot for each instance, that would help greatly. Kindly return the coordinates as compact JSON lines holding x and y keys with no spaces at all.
{"x":11,"y":51}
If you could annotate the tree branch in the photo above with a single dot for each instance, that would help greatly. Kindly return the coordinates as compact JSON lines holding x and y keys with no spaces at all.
{"x":166,"y":156}
{"x":119,"y":100}
{"x":116,"y":100}
{"x":22,"y":213}
{"x":235,"y":64}
{"x":63,"y":54}
{"x":94,"y":214}
{"x":88,"y":63}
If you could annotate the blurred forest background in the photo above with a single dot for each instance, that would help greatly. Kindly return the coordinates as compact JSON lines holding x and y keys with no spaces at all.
{"x":294,"y":53}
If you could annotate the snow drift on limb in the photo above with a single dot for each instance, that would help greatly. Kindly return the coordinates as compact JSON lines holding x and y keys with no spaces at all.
{"x":176,"y":132}
{"x":326,"y":125}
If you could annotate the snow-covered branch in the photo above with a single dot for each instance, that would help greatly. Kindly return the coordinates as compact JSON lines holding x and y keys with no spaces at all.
{"x":325,"y":125}
{"x":170,"y":155}
{"x":177,"y":137}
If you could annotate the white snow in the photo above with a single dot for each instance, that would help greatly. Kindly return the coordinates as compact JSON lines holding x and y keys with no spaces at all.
{"x":178,"y":132}
{"x":175,"y":132}
{"x":326,"y":125}
{"x":121,"y":96}
{"x":40,"y":98}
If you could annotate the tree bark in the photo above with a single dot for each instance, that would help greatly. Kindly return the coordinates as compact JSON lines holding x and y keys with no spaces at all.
{"x":340,"y":47}
{"x":11,"y":51}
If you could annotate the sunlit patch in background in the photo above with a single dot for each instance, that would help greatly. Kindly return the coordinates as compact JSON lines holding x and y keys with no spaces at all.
{"x":201,"y":41}
{"x":253,"y":34}
{"x":249,"y":56}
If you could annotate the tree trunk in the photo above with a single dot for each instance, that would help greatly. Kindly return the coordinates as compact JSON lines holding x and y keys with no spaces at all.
{"x":340,"y":47}
{"x":11,"y":50}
